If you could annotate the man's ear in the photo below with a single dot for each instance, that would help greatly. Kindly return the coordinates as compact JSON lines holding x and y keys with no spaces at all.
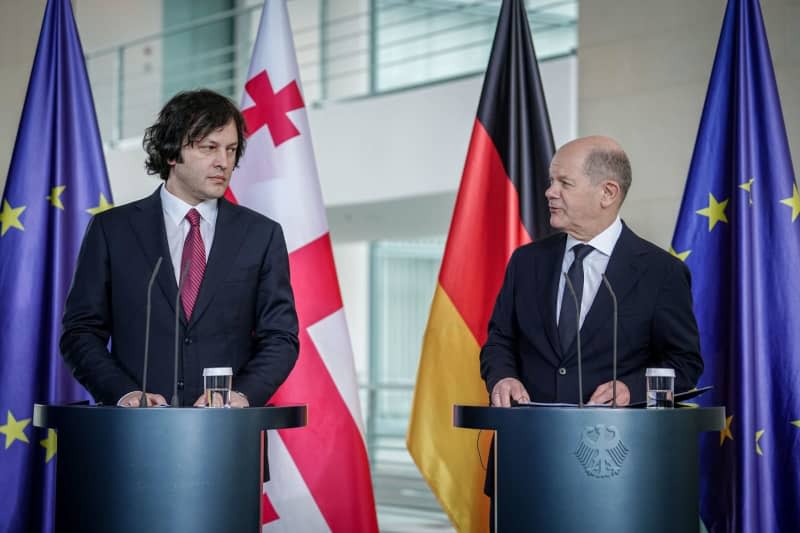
{"x":177,"y":159}
{"x":612,"y":193}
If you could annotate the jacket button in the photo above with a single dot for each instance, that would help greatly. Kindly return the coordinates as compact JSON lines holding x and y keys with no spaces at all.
{"x":180,"y":385}
{"x":187,"y":340}
{"x":562,"y":371}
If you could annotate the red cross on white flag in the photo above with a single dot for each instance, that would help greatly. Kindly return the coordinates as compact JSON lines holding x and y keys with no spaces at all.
{"x":319,"y":475}
{"x":271,"y":108}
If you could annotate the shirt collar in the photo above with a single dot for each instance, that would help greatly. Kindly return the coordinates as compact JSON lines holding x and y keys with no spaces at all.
{"x":604,"y":242}
{"x":176,"y":208}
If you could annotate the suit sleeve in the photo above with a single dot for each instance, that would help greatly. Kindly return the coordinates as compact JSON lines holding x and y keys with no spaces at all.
{"x":87,"y":322}
{"x":275,"y":334}
{"x":675,"y":341}
{"x":499,"y":355}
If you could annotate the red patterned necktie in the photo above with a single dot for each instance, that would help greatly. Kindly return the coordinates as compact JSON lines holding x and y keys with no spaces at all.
{"x":194,"y":251}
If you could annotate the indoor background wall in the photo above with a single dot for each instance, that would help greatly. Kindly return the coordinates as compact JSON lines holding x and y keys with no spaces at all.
{"x":100,"y":24}
{"x":19,"y":31}
{"x":643,"y":70}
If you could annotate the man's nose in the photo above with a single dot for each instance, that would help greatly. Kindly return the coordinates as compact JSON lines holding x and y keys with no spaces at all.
{"x":221,"y":158}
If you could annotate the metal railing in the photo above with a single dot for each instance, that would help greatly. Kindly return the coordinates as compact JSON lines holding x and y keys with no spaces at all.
{"x":387,"y":45}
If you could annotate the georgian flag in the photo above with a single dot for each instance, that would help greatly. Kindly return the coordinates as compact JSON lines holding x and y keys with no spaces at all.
{"x":319,"y":475}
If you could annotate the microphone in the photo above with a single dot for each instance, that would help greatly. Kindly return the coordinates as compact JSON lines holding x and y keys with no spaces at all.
{"x":174,"y":402}
{"x":614,"y":348}
{"x":149,"y":308}
{"x":578,"y":335}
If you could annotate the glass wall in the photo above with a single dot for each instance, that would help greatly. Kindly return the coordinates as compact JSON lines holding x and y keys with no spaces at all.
{"x":345,"y":49}
{"x":202,"y":55}
{"x":403,"y":276}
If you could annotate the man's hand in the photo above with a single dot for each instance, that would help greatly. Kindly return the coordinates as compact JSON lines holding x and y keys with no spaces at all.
{"x":237,"y":400}
{"x":133,"y":398}
{"x":508,"y":389}
{"x":604,"y":393}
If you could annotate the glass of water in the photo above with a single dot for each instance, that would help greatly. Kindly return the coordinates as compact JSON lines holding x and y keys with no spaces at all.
{"x":660,"y":388}
{"x":217,"y":384}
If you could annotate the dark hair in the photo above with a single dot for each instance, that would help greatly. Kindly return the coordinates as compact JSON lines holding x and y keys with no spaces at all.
{"x":187,"y":118}
{"x":603,"y":163}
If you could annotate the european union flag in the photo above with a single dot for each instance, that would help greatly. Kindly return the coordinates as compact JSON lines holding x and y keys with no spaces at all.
{"x":57,"y":180}
{"x":739,"y":233}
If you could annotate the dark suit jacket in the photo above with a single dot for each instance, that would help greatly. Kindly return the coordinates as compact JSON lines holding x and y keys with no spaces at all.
{"x":657,"y":327}
{"x":244,"y":316}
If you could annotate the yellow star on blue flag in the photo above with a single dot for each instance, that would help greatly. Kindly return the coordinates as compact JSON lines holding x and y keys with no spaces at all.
{"x":715,"y":211}
{"x":9,"y":218}
{"x":14,"y":429}
{"x":102,"y":205}
{"x":55,"y":196}
{"x":50,"y":444}
{"x":793,"y":201}
{"x":748,"y":186}
{"x":726,"y":432}
{"x":680,"y":255}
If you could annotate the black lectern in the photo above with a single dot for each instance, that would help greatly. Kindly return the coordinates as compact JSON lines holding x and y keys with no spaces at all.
{"x":160,"y":469}
{"x":594,"y":469}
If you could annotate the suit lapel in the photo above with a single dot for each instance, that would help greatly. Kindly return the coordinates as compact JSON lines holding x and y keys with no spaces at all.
{"x":624,"y":269}
{"x":147,"y":222}
{"x":228,"y":237}
{"x":549,"y":272}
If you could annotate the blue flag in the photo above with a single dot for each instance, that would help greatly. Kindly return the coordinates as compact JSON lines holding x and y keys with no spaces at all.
{"x":56,"y":181}
{"x":739,"y":233}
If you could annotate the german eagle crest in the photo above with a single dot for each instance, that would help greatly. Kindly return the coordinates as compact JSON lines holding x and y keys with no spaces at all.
{"x":600,"y":451}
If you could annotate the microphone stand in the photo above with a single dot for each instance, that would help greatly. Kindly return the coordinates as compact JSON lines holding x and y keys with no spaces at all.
{"x":143,"y":398}
{"x":614,"y":350}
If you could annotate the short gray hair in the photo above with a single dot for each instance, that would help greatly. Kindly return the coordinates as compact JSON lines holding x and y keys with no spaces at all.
{"x":603,"y":163}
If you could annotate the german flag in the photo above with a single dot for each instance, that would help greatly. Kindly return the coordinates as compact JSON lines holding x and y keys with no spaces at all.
{"x":500,"y":206}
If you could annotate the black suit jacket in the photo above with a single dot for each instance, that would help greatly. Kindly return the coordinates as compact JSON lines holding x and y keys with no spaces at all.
{"x":657,"y":327}
{"x":244,"y":316}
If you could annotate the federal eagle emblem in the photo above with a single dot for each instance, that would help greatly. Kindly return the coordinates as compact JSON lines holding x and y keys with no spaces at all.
{"x":600,"y":451}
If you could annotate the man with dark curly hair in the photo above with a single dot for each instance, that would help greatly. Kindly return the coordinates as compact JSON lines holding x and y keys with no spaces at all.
{"x":225,"y":265}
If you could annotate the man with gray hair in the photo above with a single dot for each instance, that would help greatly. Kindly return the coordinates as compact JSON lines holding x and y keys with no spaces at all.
{"x":531,"y":350}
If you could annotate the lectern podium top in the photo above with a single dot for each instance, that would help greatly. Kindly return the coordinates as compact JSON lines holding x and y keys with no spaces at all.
{"x":282,"y":417}
{"x":498,"y":418}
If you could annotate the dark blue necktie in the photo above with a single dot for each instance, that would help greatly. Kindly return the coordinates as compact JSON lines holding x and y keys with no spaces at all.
{"x":567,"y":323}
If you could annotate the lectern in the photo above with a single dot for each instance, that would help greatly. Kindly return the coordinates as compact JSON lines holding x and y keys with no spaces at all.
{"x":594,"y":469}
{"x":160,"y":469}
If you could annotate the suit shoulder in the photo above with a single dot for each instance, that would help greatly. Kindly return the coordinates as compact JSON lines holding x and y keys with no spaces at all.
{"x":119,"y":212}
{"x":658,"y":255}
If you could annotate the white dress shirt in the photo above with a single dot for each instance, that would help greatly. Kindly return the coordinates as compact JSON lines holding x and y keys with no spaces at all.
{"x":594,"y":265}
{"x":177,"y":226}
